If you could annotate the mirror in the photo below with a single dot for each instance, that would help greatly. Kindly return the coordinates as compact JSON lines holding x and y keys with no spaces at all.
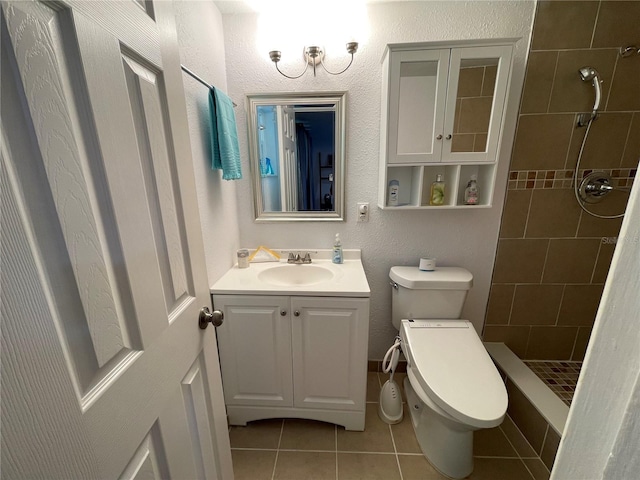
{"x":297,"y":148}
{"x":474,"y":100}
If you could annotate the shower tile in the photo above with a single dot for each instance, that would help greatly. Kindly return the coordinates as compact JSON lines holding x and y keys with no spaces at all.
{"x":475,"y":114}
{"x":514,"y":215}
{"x":517,"y":439}
{"x":570,"y":260}
{"x":500,"y":301}
{"x":553,"y":213}
{"x":563,"y":25}
{"x":547,"y":343}
{"x":524,"y":414}
{"x":603,"y":263}
{"x":550,"y":448}
{"x":605,"y":146}
{"x":614,"y":204}
{"x":569,"y":93}
{"x":536,"y":304}
{"x":582,"y":341}
{"x":520,"y":261}
{"x":470,"y":82}
{"x":579,"y":305}
{"x":625,"y":94}
{"x":631,"y":155}
{"x":617,"y":24}
{"x":514,"y":337}
{"x":542,"y":142}
{"x":537,"y":86}
{"x":489,"y":81}
{"x":537,"y":468}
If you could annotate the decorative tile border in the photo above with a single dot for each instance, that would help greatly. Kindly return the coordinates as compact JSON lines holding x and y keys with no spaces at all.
{"x":540,"y":179}
{"x":560,"y":377}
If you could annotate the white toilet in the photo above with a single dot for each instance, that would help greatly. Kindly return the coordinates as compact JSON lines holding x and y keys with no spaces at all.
{"x":452,"y":386}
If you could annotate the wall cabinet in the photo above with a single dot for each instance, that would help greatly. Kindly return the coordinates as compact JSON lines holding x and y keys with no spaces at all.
{"x":442,"y":111}
{"x":301,"y":357}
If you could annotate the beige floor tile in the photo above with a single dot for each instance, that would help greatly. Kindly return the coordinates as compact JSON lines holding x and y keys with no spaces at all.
{"x":416,"y":467}
{"x":404,"y":436}
{"x":517,"y":439}
{"x":363,"y":466}
{"x":499,"y":469}
{"x":537,"y":468}
{"x":308,"y":435}
{"x":305,"y":466}
{"x":253,"y":464}
{"x":492,"y":442}
{"x":375,"y":438}
{"x":259,"y":434}
{"x":373,"y":387}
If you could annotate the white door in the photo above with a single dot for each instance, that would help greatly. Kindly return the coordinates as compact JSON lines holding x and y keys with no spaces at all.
{"x":288,"y":158}
{"x":105,"y":373}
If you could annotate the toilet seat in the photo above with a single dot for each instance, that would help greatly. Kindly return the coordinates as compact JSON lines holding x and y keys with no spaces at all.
{"x":454,"y":369}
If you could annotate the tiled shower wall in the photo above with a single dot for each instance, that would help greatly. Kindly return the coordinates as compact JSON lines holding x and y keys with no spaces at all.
{"x":552,"y":258}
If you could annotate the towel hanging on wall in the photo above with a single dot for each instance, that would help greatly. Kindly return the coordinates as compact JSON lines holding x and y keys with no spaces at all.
{"x":225,"y":151}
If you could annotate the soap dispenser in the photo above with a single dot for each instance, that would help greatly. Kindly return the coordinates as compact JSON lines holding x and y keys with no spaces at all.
{"x":337,"y":250}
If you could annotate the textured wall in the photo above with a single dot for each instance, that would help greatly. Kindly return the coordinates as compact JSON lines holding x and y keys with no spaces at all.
{"x":552,"y":257}
{"x":465,"y":238}
{"x":199,"y":26}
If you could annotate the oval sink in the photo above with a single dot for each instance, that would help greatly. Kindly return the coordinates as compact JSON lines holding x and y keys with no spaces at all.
{"x":294,"y":275}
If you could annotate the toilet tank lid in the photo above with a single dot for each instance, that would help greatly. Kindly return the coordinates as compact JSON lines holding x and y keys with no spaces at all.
{"x":442,"y":278}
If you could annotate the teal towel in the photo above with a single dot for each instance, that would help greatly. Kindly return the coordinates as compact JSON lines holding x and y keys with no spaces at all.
{"x":224,"y":136}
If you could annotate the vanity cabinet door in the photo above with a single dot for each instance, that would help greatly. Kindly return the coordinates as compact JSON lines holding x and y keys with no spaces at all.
{"x":255,"y":350}
{"x":330,"y":339}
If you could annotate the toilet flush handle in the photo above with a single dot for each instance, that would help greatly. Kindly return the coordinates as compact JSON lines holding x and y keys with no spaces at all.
{"x":394,"y":285}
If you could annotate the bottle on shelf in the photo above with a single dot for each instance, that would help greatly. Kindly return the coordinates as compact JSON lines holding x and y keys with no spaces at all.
{"x":394,"y":190}
{"x":471,"y":192}
{"x":437,"y":191}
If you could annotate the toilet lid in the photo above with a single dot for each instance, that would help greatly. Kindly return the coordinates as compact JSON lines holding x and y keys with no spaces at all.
{"x":455,"y":370}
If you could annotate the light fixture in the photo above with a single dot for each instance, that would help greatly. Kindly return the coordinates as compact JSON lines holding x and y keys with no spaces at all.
{"x":313,"y":56}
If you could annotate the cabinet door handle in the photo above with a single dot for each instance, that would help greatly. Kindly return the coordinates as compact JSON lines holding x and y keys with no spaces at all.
{"x":296,"y":313}
{"x":283,"y":312}
{"x":449,"y":137}
{"x":439,"y":137}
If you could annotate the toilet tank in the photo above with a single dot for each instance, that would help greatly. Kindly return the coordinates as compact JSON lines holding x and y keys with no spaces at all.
{"x":439,"y":294}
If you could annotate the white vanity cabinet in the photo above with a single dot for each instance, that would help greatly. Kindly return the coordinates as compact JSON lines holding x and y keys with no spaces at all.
{"x":442,"y":112}
{"x":294,"y":356}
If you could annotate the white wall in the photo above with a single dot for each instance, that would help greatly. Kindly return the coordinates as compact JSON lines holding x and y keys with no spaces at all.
{"x":199,"y":26}
{"x":602,"y":435}
{"x":465,"y":238}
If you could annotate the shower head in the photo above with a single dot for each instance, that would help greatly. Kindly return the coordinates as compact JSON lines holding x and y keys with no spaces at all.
{"x":591,"y":74}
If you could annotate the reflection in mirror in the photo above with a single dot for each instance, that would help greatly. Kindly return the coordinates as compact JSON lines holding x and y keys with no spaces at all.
{"x":476,"y":85}
{"x":297,"y":155}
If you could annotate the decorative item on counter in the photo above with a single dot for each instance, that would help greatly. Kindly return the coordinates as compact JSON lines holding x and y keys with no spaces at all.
{"x":337,"y":250}
{"x":471,"y":192}
{"x":394,"y":193}
{"x":243,"y":258}
{"x":427,"y":264}
{"x":263,"y":254}
{"x":437,"y":191}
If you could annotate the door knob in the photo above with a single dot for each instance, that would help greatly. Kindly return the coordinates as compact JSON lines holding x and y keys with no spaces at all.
{"x":448,"y":137}
{"x":283,"y":312}
{"x":216,"y":318}
{"x":439,"y":137}
{"x":296,"y":313}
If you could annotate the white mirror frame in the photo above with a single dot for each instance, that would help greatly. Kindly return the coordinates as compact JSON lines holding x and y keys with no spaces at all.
{"x":296,"y":98}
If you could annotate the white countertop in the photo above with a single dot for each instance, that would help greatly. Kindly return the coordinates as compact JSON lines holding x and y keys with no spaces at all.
{"x":348,"y":280}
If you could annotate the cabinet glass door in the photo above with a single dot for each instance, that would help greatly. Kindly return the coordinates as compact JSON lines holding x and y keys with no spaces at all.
{"x":476,"y":94}
{"x":416,"y":105}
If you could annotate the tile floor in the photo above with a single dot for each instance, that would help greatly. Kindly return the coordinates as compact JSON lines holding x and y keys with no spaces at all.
{"x":308,"y":450}
{"x":560,"y":377}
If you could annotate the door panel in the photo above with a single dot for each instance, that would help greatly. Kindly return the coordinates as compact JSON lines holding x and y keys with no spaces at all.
{"x":107,"y":274}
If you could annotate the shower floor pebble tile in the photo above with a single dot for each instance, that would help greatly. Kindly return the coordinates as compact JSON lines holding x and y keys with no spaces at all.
{"x":308,"y":450}
{"x":560,"y":377}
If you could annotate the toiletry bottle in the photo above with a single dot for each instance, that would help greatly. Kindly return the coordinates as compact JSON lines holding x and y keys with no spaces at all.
{"x":437,"y":191}
{"x":337,"y":250}
{"x":471,"y":192}
{"x":394,"y":191}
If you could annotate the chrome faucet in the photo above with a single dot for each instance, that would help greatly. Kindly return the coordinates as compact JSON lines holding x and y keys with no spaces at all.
{"x":298,"y":260}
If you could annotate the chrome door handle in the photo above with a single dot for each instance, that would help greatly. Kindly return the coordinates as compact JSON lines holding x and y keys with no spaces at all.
{"x":283,"y":312}
{"x":216,"y":318}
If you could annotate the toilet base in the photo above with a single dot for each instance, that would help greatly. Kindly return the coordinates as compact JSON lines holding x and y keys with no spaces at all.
{"x":447,"y":444}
